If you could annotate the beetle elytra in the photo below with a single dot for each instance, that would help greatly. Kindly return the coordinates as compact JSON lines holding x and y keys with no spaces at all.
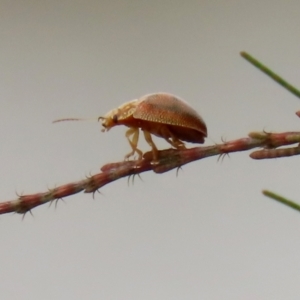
{"x":161,"y":114}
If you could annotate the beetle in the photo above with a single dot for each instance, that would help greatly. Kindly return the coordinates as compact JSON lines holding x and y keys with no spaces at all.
{"x":160,"y":114}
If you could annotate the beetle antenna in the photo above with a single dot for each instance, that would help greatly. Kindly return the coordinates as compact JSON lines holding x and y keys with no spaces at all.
{"x":75,"y":119}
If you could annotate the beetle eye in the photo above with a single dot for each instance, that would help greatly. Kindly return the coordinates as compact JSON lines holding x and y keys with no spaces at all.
{"x":115,"y":118}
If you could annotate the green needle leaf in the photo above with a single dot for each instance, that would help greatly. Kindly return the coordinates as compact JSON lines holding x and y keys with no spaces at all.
{"x":270,"y":73}
{"x":282,"y":200}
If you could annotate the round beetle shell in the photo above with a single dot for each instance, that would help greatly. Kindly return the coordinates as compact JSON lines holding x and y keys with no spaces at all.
{"x":182,"y":120}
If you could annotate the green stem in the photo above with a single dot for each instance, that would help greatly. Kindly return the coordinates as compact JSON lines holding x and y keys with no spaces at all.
{"x":270,"y":73}
{"x":282,"y":200}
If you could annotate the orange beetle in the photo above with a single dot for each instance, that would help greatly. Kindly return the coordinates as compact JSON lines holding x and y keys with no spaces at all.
{"x":160,"y":114}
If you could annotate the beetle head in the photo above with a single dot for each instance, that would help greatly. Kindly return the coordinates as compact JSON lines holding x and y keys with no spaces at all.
{"x":109,"y":120}
{"x":117,"y":115}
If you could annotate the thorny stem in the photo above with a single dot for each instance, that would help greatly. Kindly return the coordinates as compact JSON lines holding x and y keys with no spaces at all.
{"x":171,"y":158}
{"x":167,"y":160}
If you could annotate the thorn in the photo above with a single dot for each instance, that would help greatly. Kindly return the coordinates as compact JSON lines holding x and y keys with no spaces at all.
{"x":56,"y":202}
{"x":24,"y":213}
{"x":222,"y":156}
{"x":223,"y":139}
{"x":140,"y":177}
{"x":96,"y":191}
{"x":128,"y":179}
{"x":177,"y":170}
{"x":19,"y":195}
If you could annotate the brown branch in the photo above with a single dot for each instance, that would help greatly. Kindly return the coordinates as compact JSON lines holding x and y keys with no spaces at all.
{"x":167,"y":160}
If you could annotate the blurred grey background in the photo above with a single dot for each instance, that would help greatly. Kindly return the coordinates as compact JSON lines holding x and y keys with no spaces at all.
{"x":206,"y":234}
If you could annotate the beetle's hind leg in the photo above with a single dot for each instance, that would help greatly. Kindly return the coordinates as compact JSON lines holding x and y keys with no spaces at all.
{"x":134,"y":132}
{"x":176,"y":143}
{"x":172,"y":139}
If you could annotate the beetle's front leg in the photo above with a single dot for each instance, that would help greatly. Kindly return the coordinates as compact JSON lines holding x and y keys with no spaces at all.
{"x":148,"y":139}
{"x":134,"y":132}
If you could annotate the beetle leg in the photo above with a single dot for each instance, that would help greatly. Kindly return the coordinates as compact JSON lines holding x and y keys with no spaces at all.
{"x":173,"y":140}
{"x":178,"y":144}
{"x":134,"y":132}
{"x":148,"y":139}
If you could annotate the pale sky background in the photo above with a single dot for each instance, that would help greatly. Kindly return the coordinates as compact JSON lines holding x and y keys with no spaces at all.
{"x":206,"y":234}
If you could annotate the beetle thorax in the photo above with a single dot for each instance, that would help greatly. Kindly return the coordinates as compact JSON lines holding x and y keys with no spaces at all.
{"x":117,"y":115}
